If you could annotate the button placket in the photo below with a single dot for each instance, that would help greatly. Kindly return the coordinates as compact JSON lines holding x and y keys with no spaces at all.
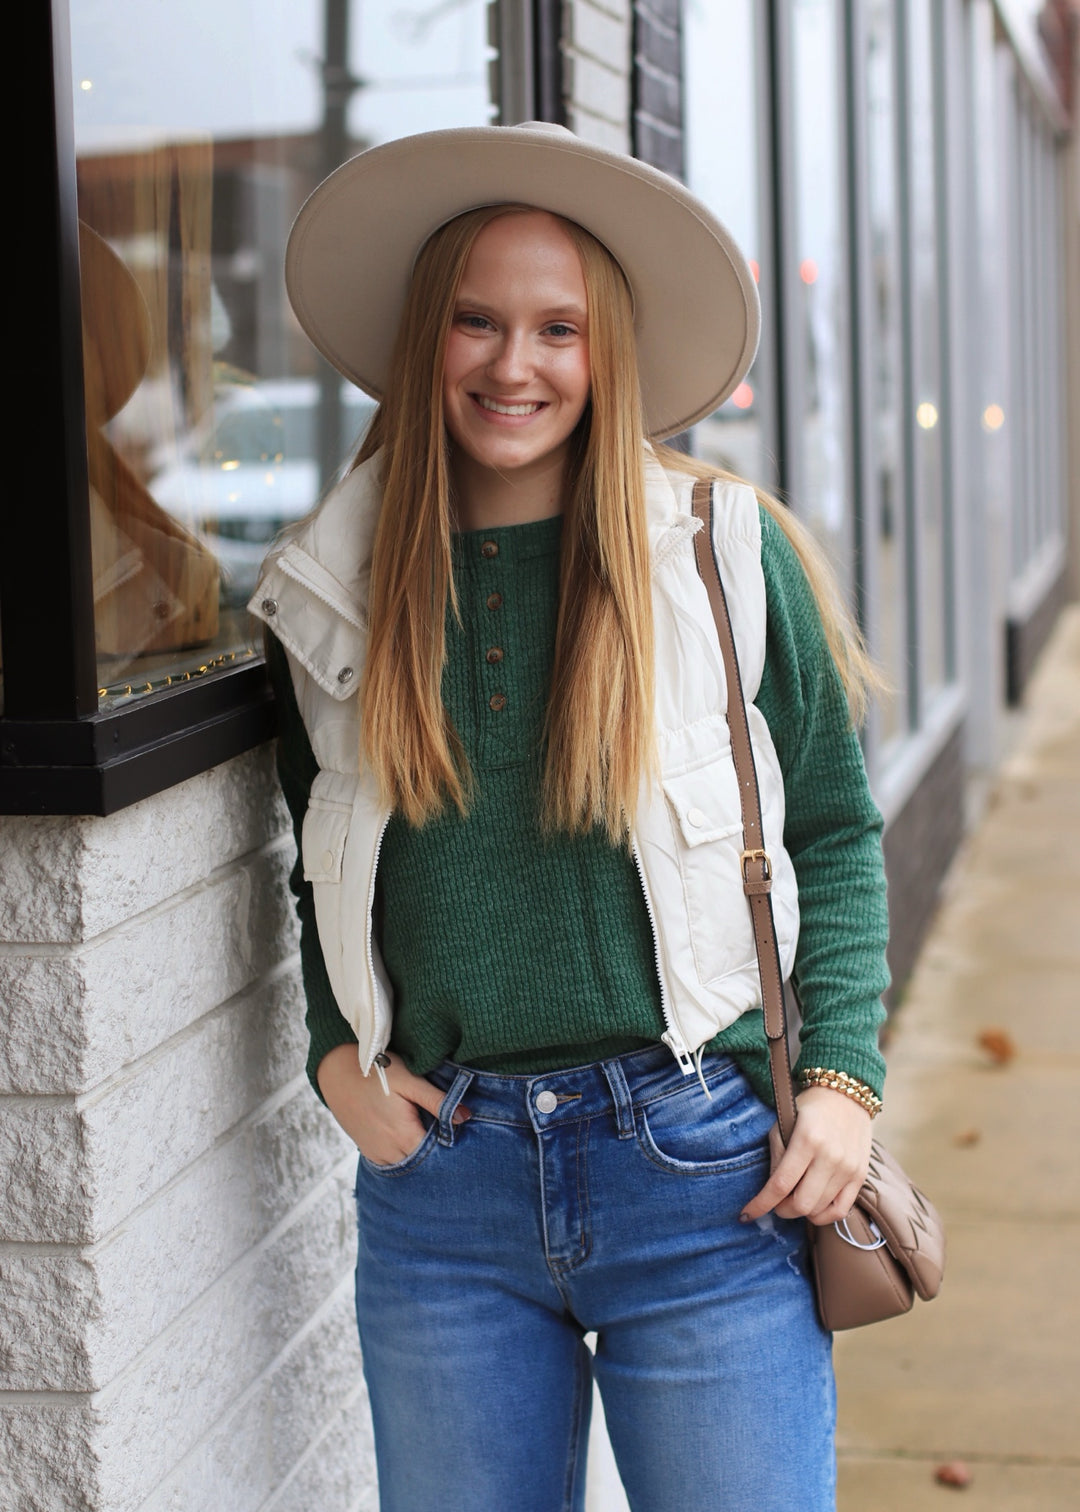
{"x":492,"y":672}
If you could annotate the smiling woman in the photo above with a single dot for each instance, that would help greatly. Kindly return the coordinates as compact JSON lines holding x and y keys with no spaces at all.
{"x":516,"y":369}
{"x":526,"y":946}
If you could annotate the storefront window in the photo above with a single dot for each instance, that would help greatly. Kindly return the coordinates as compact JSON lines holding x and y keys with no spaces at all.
{"x":818,"y":280}
{"x":723,"y":152}
{"x":885,"y":379}
{"x":927,"y":404}
{"x":199,"y":131}
{"x":1035,"y":297}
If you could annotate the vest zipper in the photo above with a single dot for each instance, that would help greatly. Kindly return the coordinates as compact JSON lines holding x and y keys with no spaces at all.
{"x":672,"y":1036}
{"x":378,"y":1013}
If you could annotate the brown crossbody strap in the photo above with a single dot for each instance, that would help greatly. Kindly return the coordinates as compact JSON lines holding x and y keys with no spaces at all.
{"x":756,"y":866}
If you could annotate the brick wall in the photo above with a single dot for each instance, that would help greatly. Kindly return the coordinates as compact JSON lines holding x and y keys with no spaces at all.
{"x":657,"y":84}
{"x":176,"y":1233}
{"x":596,"y":71}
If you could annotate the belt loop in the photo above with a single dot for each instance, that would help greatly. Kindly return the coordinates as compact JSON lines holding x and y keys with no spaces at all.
{"x":620,"y":1096}
{"x":453,"y":1096}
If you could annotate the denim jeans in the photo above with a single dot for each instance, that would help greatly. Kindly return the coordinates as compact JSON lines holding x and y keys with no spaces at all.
{"x":601,"y":1199}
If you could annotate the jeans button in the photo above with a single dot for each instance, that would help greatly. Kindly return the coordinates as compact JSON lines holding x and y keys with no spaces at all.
{"x":546,"y":1102}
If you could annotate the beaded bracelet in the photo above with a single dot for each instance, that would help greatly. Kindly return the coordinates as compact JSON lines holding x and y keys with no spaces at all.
{"x":840,"y":1081}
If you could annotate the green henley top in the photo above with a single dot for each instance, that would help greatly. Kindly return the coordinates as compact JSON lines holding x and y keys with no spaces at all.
{"x":519,"y":954}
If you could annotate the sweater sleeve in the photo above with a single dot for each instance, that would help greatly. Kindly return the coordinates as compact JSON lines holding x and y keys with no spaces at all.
{"x":832,"y":830}
{"x":297,"y":769}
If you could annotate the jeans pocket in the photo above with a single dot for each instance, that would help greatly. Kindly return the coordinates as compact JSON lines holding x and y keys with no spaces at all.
{"x":686,"y":1132}
{"x":409,"y":1162}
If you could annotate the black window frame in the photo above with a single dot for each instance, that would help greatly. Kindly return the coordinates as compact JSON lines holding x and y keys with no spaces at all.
{"x":60,"y":753}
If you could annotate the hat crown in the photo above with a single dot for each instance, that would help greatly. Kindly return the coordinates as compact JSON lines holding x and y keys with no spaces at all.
{"x":356,"y":239}
{"x":551,"y":127}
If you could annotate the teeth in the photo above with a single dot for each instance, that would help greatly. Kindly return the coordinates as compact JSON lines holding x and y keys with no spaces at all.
{"x":506,"y":409}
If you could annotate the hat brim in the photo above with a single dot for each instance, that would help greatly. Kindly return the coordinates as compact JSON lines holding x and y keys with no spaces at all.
{"x":353,"y":245}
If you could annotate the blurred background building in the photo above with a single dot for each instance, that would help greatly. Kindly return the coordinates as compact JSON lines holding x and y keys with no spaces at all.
{"x":175,"y":1210}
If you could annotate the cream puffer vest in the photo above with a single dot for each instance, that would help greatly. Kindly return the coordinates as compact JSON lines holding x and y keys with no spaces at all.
{"x":687,"y":839}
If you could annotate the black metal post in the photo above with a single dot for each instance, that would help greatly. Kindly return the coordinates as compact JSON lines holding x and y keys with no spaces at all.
{"x":547,"y":61}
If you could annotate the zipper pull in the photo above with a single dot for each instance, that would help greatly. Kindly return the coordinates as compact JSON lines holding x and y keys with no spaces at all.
{"x":673,"y":1041}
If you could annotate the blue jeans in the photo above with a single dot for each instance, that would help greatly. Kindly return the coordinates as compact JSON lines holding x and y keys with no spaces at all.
{"x":604,"y":1198}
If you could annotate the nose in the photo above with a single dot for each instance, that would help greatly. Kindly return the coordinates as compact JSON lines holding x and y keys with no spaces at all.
{"x":510,"y":363}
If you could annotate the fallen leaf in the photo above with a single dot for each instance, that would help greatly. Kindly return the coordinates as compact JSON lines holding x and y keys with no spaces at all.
{"x":955,"y":1473}
{"x":999,"y":1046}
{"x":967,"y":1137}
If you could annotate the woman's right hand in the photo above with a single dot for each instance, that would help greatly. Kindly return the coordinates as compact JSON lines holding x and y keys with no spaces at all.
{"x":385,"y":1129}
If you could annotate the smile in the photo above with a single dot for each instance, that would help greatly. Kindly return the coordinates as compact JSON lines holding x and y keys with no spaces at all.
{"x":507,"y":409}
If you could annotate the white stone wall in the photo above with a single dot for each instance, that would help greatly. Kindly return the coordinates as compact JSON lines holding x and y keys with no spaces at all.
{"x":596,"y":71}
{"x":176,"y":1219}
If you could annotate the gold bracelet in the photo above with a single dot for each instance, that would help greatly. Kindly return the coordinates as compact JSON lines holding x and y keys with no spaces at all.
{"x":840,"y":1081}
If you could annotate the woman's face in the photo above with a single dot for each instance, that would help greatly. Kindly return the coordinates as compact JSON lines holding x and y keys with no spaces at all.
{"x":516,"y":377}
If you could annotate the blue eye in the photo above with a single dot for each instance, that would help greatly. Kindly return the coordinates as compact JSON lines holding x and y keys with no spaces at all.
{"x":559,"y":329}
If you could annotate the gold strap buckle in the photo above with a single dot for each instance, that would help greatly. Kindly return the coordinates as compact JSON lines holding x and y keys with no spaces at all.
{"x":766,"y":867}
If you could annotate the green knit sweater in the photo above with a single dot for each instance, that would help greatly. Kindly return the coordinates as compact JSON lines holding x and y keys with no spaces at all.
{"x":517,"y":954}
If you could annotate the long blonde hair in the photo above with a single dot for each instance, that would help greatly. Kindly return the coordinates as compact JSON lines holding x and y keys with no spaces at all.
{"x":599,"y":725}
{"x":599,"y":716}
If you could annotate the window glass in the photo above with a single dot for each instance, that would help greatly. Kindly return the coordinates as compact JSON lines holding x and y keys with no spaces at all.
{"x":1025,"y":451}
{"x":818,"y":279}
{"x":927,"y":319}
{"x":722,"y":167}
{"x":1042,"y":283}
{"x":1054,"y":325}
{"x":990,"y":261}
{"x":200,"y":129}
{"x":885,"y":524}
{"x":1038,"y":383}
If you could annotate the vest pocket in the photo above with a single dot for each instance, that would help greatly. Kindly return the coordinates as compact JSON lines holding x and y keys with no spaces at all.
{"x":708,"y":841}
{"x":325,"y":830}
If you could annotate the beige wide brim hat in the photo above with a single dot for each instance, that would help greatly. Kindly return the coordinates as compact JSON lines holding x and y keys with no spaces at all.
{"x":353,"y":245}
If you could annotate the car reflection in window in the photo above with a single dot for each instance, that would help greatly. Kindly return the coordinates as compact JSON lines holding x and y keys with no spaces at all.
{"x":251,"y":468}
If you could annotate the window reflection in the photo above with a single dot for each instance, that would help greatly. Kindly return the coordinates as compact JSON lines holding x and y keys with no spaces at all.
{"x":888,"y":627}
{"x":722,"y":167}
{"x":155,"y":583}
{"x":200,"y":129}
{"x":821,"y":283}
{"x":927,"y":343}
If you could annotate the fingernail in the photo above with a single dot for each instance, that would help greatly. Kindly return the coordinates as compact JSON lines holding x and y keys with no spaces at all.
{"x":462,"y":1115}
{"x":744,"y":1218}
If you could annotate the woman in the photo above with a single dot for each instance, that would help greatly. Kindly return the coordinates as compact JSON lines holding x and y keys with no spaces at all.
{"x":530,"y":972}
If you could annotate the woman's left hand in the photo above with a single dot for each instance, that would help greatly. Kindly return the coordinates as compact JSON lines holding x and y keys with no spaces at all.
{"x":819,"y":1175}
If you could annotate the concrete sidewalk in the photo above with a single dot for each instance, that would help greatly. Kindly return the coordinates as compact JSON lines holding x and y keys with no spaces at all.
{"x":990,"y":1372}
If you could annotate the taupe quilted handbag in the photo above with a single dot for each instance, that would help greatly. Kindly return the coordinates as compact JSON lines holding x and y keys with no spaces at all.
{"x":891,"y":1246}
